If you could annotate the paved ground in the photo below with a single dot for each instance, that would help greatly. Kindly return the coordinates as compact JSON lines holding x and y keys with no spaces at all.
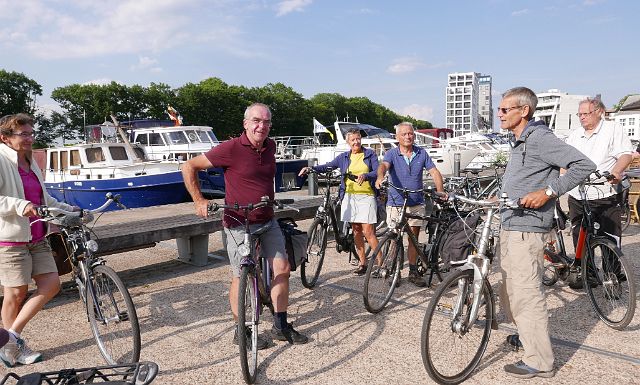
{"x":187,"y":329}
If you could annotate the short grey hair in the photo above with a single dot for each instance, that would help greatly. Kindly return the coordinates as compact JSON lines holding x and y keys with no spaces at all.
{"x":405,"y":124}
{"x":595,"y":103}
{"x":353,"y":131}
{"x":524,"y":97}
{"x":252,"y":105}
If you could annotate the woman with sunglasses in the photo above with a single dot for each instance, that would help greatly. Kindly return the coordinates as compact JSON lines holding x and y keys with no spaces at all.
{"x":24,"y":251}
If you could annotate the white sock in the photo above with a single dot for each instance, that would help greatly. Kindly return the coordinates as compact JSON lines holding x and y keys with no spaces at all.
{"x":15,"y":333}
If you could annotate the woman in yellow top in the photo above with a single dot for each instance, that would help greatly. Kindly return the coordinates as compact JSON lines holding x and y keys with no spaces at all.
{"x":358,"y":194}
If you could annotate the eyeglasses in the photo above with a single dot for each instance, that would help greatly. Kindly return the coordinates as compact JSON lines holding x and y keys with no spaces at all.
{"x":581,"y":114}
{"x":506,"y":110}
{"x":257,"y":121}
{"x":25,"y":134}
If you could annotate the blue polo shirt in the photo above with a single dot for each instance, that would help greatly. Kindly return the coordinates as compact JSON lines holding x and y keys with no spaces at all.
{"x":407,"y":173}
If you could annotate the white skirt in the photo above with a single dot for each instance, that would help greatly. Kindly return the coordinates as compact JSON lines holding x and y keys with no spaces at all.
{"x":358,"y":208}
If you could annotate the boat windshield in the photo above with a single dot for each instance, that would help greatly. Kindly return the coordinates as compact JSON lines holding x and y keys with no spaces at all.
{"x":366,"y":130}
{"x":175,"y":137}
{"x":197,"y":136}
{"x":212,"y":136}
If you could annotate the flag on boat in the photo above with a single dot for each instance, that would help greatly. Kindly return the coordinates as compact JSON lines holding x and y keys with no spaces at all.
{"x":318,"y":128}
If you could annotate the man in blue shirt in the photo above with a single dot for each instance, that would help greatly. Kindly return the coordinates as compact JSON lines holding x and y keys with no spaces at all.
{"x":405,"y":165}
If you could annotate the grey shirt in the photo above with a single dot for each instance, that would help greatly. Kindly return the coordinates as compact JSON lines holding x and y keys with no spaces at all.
{"x":535,"y":162}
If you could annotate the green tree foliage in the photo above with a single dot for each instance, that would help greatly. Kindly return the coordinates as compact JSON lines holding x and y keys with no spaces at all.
{"x":211,"y":102}
{"x":18,"y":93}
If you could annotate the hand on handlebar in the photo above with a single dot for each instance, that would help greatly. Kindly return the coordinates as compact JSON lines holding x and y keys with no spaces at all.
{"x":304,"y":171}
{"x":30,"y":211}
{"x":201,"y":208}
{"x":534,"y":200}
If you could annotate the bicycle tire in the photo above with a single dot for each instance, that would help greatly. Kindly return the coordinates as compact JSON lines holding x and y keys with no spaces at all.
{"x":386,"y":276}
{"x":608,"y":279}
{"x":443,"y":348}
{"x":117,"y":334}
{"x":550,"y":273}
{"x":625,"y":216}
{"x":248,"y":320}
{"x":316,"y":248}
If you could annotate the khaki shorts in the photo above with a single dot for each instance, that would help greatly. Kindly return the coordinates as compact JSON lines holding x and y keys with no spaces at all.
{"x":393,"y":213}
{"x":18,"y":264}
{"x":271,"y":244}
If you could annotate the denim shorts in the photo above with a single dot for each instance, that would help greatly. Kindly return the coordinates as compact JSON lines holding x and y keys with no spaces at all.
{"x":271,"y":243}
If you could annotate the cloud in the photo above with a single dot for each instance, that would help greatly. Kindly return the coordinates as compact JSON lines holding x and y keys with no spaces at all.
{"x":404,"y":65}
{"x":603,"y":20}
{"x":85,"y":29}
{"x":99,"y":82}
{"x":417,"y":111}
{"x":410,"y":64}
{"x":589,"y":3}
{"x":146,"y":63}
{"x":288,"y":6}
{"x":520,"y":12}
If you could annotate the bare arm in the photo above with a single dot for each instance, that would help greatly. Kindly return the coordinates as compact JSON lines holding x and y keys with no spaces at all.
{"x":382,"y":169}
{"x":192,"y":182}
{"x":437,"y":179}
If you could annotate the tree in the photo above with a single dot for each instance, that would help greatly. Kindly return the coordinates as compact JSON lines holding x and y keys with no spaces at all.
{"x":291,"y":111}
{"x":18,"y":93}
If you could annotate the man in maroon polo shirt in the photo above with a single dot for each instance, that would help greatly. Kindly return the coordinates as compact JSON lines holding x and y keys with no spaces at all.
{"x":249,"y":166}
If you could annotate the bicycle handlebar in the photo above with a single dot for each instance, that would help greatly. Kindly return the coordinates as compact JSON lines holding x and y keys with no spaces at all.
{"x":75,"y":218}
{"x":505,"y":202}
{"x":212,"y":207}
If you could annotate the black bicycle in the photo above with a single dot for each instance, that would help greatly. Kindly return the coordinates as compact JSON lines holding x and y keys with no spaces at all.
{"x":387,"y":259}
{"x":609,"y":278}
{"x":254,"y":290}
{"x":108,"y":304}
{"x":327,"y":218}
{"x":139,"y":373}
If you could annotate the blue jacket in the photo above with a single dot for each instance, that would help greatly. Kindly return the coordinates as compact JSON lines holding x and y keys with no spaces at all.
{"x":343,"y":161}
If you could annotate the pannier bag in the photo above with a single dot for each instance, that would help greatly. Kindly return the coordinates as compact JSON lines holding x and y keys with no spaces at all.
{"x":458,"y":237}
{"x":60,"y":253}
{"x":295,"y":242}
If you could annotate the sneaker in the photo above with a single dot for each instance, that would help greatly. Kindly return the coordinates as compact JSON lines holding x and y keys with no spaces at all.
{"x":522,"y":370}
{"x":262,"y":343}
{"x":26,"y":356}
{"x":289,"y":334}
{"x":9,"y":352}
{"x":513,"y":340}
{"x":416,"y":279}
{"x":360,"y":270}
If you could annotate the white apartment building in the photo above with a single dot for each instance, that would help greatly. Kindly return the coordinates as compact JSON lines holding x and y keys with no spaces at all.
{"x":485,"y":104}
{"x":462,"y":102}
{"x":558,"y":110}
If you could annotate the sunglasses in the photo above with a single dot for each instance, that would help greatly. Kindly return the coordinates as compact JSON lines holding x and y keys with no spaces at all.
{"x":507,"y":109}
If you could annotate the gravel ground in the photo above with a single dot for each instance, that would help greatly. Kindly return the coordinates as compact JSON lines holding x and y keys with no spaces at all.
{"x":187,"y":329}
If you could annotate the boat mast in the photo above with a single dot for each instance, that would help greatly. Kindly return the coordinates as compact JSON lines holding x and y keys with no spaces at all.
{"x":124,"y":137}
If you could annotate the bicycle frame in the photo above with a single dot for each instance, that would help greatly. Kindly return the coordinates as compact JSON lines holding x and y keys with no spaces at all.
{"x":259,"y":264}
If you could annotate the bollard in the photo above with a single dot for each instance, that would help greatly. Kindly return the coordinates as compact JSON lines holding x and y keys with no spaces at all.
{"x":456,"y":164}
{"x":312,"y":180}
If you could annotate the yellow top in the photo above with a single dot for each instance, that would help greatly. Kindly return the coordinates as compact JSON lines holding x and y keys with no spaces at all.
{"x":358,"y":167}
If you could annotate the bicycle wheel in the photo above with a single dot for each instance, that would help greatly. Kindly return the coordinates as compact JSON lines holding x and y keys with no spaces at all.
{"x":316,"y":247}
{"x":550,"y":273}
{"x":380,"y":281}
{"x":113,"y":317}
{"x":609,"y":283}
{"x":451,"y":348}
{"x":248,"y":324}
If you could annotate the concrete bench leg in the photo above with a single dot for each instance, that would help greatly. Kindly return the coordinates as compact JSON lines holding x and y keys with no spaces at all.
{"x":194,"y":250}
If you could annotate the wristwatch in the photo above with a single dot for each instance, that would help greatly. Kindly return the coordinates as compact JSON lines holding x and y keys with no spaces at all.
{"x":549,"y":192}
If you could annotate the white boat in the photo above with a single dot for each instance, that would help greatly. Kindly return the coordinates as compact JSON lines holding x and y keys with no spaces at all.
{"x":82,"y":174}
{"x":493,"y":149}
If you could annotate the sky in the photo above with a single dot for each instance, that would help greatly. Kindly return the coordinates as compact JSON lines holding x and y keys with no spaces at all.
{"x":397,"y":53}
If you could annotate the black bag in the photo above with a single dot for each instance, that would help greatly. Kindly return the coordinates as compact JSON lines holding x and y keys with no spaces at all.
{"x":295,"y":242}
{"x":60,"y":253}
{"x":457,"y":239}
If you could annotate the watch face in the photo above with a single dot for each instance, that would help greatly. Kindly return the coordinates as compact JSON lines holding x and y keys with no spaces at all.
{"x":549,"y":192}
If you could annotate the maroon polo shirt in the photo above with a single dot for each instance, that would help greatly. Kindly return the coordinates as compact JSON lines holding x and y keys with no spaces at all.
{"x":248,"y":176}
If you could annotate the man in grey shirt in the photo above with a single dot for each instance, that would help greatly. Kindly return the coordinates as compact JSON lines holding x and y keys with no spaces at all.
{"x":533,"y":176}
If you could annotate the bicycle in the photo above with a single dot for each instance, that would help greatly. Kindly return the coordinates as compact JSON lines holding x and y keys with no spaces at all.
{"x":254,"y":290}
{"x":140,"y":373}
{"x":108,"y":304}
{"x":463,"y":307}
{"x":383,"y":276}
{"x":471,"y":187}
{"x":623,"y":194}
{"x":607,"y":268}
{"x":327,"y":217}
